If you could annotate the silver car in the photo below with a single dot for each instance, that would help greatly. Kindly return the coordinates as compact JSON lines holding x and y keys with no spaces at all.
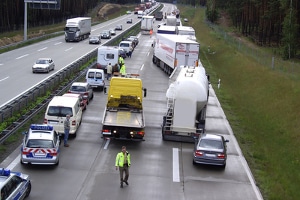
{"x":94,"y":39}
{"x":210,"y":149}
{"x":40,"y":145}
{"x":43,"y":65}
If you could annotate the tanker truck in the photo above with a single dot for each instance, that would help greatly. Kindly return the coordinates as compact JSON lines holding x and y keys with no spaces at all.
{"x":77,"y":29}
{"x":187,"y":98}
{"x":171,"y":51}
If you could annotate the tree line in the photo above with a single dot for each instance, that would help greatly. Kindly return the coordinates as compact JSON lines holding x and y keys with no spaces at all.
{"x":266,"y":22}
{"x":12,"y":12}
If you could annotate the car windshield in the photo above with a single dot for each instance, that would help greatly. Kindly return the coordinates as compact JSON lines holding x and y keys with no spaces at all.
{"x":59,"y":111}
{"x":211,"y":144}
{"x":124,"y":45}
{"x":78,"y":88}
{"x":41,"y":62}
{"x":37,"y":143}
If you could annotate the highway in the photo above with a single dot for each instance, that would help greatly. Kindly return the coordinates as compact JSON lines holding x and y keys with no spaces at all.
{"x":160,"y":169}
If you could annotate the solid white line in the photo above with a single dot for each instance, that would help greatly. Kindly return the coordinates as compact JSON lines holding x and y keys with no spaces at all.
{"x":106,"y":143}
{"x":142,"y":67}
{"x":22,"y":56}
{"x":14,"y":163}
{"x":176,"y":177}
{"x":43,"y":49}
{"x":4,"y":78}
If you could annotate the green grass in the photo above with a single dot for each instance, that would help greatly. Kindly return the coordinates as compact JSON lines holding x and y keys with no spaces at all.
{"x":262,"y":106}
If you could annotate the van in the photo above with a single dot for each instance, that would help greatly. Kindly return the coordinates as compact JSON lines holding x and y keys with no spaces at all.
{"x":126,"y":45}
{"x":57,"y":110}
{"x":95,"y":78}
{"x":140,"y":14}
{"x":105,"y":55}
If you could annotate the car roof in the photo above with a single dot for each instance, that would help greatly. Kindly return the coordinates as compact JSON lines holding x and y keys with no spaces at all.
{"x":71,"y":95}
{"x":211,"y":136}
{"x":35,"y":132}
{"x":79,"y":84}
{"x":44,"y":59}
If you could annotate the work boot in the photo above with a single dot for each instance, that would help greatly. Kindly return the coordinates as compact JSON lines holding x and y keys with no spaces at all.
{"x":121,"y":186}
{"x":126,"y":182}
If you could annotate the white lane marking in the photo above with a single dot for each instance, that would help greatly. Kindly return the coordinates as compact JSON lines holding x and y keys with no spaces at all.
{"x":57,"y":43}
{"x":176,"y":177}
{"x":43,"y":49}
{"x":69,"y":49}
{"x":106,"y":143}
{"x":22,"y":56}
{"x":4,"y":78}
{"x":142,"y":67}
{"x":1,"y":64}
{"x":14,"y":163}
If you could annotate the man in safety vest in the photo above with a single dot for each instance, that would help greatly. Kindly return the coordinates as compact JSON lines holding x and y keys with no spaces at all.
{"x":121,"y":60}
{"x":123,"y":163}
{"x":123,"y":70}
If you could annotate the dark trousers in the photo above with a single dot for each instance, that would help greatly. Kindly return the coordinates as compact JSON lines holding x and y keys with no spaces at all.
{"x":123,"y":169}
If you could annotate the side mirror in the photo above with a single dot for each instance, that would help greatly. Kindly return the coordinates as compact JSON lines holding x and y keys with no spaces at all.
{"x":24,"y":132}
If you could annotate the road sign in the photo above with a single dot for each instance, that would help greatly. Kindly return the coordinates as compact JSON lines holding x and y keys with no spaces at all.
{"x":44,"y":4}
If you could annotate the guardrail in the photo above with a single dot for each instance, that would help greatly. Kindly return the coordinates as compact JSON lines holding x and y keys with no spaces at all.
{"x":52,"y":84}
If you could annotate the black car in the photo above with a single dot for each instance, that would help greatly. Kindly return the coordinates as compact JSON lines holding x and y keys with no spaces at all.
{"x":210,"y":149}
{"x":129,"y":21}
{"x":105,"y":34}
{"x":94,"y":39}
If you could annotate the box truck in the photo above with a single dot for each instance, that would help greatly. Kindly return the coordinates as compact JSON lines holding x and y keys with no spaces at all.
{"x":77,"y":29}
{"x":171,"y":51}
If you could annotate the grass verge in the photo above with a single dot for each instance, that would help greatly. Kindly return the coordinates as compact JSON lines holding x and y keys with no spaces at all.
{"x":261,"y":105}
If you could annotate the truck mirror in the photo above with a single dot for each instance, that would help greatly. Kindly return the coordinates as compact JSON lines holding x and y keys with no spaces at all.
{"x":145,"y":92}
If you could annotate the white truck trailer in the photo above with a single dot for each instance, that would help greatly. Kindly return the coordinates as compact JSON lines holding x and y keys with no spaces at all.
{"x":187,"y":98}
{"x":171,"y":51}
{"x":188,"y":31}
{"x":171,"y":20}
{"x":147,"y":24}
{"x":77,"y":29}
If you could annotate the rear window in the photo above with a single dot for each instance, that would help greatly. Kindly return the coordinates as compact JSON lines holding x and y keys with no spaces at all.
{"x":40,"y":144}
{"x":215,"y":144}
{"x":59,"y":111}
{"x":110,"y":56}
{"x":78,"y":88}
{"x":91,"y":74}
{"x":124,"y":45}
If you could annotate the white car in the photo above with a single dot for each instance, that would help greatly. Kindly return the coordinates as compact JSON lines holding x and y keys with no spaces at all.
{"x":43,"y":65}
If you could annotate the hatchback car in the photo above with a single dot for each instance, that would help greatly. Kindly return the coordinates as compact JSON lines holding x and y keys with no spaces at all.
{"x":135,"y":39}
{"x":14,"y":185}
{"x":119,"y":27}
{"x":105,"y":34}
{"x":40,"y":145}
{"x":210,"y":149}
{"x":43,"y":65}
{"x":94,"y":39}
{"x":82,"y":88}
{"x":129,"y":21}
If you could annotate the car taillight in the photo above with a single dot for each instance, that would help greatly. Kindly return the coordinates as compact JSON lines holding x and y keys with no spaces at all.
{"x":221,"y":155}
{"x":198,"y":153}
{"x":53,"y":153}
{"x":73,"y":122}
{"x":45,"y":121}
{"x":86,"y":94}
{"x":105,"y":130}
{"x":141,"y":133}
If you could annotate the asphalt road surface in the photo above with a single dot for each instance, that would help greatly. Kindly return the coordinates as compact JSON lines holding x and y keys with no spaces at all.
{"x":160,"y":169}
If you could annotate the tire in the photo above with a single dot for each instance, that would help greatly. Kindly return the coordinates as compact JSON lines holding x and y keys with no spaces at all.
{"x":28,"y":190}
{"x":56,"y":164}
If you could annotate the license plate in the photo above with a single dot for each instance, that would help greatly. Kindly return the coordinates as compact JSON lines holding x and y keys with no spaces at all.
{"x":52,"y":122}
{"x":210,"y":155}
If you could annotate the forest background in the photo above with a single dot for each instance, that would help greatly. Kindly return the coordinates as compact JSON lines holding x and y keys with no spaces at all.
{"x":272,"y":23}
